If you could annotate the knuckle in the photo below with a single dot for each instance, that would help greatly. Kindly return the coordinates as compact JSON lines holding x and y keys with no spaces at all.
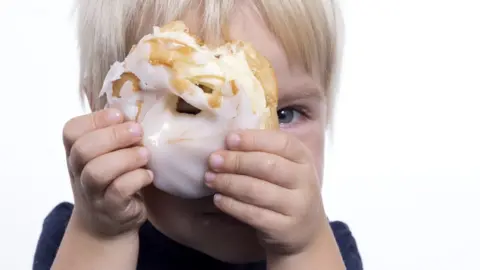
{"x":270,"y":165}
{"x":95,"y":119}
{"x":117,"y":203}
{"x":140,"y":156}
{"x":225,"y":182}
{"x":67,"y":129}
{"x":142,"y":216}
{"x":115,"y":133}
{"x":230,"y":204}
{"x":235,"y":161}
{"x":73,"y":170}
{"x":91,"y":176}
{"x":116,"y":191}
{"x":252,"y":216}
{"x":252,"y":140}
{"x":145,"y":175}
{"x":97,"y":204}
{"x":79,"y":155}
{"x":140,"y":212}
{"x":292,"y":222}
{"x":121,"y":133}
{"x":69,"y":134}
{"x":240,"y":162}
{"x":254,"y":191}
{"x":134,"y":212}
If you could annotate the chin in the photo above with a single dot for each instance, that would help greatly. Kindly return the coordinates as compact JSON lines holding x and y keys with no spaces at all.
{"x":236,"y":255}
{"x":195,"y":224}
{"x":235,"y":246}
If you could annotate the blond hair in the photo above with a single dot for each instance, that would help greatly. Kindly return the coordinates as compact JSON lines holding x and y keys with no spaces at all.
{"x":307,"y":29}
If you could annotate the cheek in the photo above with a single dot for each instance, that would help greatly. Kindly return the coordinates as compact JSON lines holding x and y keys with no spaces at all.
{"x":313,"y":137}
{"x":167,"y":213}
{"x":316,"y":144}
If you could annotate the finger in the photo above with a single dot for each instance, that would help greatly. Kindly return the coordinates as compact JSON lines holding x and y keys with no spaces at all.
{"x":101,"y":171}
{"x":268,"y":167}
{"x":259,"y":218}
{"x":269,"y":141}
{"x":81,"y":125}
{"x":102,"y":141}
{"x":121,"y":191}
{"x":251,"y":191}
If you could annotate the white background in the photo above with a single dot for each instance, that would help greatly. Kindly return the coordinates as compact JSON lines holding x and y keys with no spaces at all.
{"x":404,"y":171}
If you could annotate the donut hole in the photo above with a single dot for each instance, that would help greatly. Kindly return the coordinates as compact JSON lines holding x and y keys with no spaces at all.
{"x":206,"y":89}
{"x":185,"y":107}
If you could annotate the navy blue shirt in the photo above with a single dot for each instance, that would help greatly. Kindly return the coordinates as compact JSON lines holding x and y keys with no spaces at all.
{"x":158,"y":252}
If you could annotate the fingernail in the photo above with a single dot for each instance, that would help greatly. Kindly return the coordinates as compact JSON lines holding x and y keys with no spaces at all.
{"x":114,"y":115}
{"x":143,"y":152}
{"x":135,"y":129}
{"x":233,"y":140}
{"x":209,"y":177}
{"x":216,"y":161}
{"x":217,"y":197}
{"x":150,"y":174}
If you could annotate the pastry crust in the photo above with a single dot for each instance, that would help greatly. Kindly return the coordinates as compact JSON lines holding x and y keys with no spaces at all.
{"x":264,"y":72}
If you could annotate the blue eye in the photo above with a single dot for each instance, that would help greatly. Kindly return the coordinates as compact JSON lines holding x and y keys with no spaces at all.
{"x":288,"y":115}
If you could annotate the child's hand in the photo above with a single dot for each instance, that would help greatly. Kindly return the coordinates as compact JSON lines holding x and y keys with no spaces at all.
{"x":268,"y":180}
{"x":106,"y":172}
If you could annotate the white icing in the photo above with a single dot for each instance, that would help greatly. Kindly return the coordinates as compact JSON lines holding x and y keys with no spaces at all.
{"x":181,"y":143}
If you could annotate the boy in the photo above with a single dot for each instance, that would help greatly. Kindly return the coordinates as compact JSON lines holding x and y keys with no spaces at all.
{"x":270,"y":217}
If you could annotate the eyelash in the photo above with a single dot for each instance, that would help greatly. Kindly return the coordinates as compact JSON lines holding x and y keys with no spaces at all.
{"x":302,"y":110}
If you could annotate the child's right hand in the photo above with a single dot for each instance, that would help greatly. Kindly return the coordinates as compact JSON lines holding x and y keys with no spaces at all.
{"x":106,"y":166}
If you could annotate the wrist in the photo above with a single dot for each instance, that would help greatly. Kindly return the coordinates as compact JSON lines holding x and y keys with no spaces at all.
{"x":321,"y":252}
{"x":82,"y":249}
{"x":81,"y":227}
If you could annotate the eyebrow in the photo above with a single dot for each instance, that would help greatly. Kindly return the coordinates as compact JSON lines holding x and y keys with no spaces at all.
{"x":302,"y":92}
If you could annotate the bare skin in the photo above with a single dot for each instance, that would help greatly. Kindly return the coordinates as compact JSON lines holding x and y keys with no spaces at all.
{"x":106,"y":172}
{"x":274,"y":212}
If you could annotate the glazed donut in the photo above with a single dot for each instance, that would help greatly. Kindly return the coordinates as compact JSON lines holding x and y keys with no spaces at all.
{"x":187,"y":97}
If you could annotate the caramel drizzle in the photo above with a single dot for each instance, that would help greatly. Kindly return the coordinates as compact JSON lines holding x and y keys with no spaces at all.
{"x":139,"y":105}
{"x":207,"y":87}
{"x":160,"y":55}
{"x":208,"y":76}
{"x":215,"y":100}
{"x":181,"y":85}
{"x":264,"y":73}
{"x":174,"y":41}
{"x":179,"y":140}
{"x":234,"y":88}
{"x":124,"y":78}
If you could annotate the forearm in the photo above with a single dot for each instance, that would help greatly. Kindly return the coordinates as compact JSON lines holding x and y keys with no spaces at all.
{"x":324,"y":254}
{"x":80,"y":250}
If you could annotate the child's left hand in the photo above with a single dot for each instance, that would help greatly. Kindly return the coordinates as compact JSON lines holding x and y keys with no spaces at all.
{"x":268,"y":179}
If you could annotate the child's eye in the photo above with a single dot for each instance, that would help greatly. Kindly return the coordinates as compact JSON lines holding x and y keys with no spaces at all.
{"x":289,"y":116}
